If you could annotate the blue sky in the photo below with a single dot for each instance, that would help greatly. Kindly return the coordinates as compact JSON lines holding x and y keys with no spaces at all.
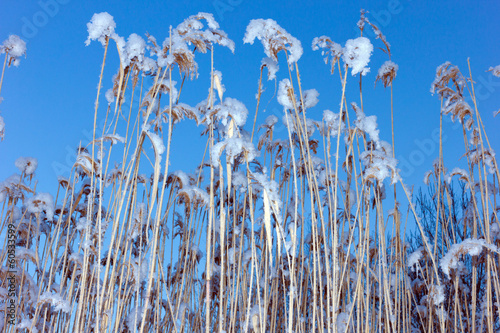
{"x":49,"y":98}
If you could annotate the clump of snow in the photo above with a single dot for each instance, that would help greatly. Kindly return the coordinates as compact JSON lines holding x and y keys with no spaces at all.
{"x":157,"y":142}
{"x":234,"y":147}
{"x":415,"y":257}
{"x":284,"y":92}
{"x":110,"y":96}
{"x":135,"y":48}
{"x":182,"y":178}
{"x":233,"y":109}
{"x":356,"y":54}
{"x":333,"y":49}
{"x":477,"y":154}
{"x":41,"y":202}
{"x":464,"y":175}
{"x":274,"y":39}
{"x":310,"y":98}
{"x":56,"y":300}
{"x":176,"y":47}
{"x":342,"y":322}
{"x":196,"y":195}
{"x":15,"y":47}
{"x":387,"y":68}
{"x":2,"y":128}
{"x":272,"y":67}
{"x":270,"y":121}
{"x":495,"y":70}
{"x":427,"y":177}
{"x":366,"y":124}
{"x":24,"y":324}
{"x":333,"y":123}
{"x":271,"y":187}
{"x":100,"y":26}
{"x":239,"y":181}
{"x":380,"y":164}
{"x":436,"y":294}
{"x":472,"y":247}
{"x":387,"y":72}
{"x":26,"y":165}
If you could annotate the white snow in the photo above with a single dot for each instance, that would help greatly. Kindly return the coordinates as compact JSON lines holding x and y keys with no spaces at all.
{"x":2,"y":128}
{"x":100,"y":26}
{"x":41,"y":202}
{"x":283,"y":96}
{"x":469,"y":246}
{"x":356,"y":54}
{"x":15,"y":47}
{"x":332,"y":122}
{"x":415,"y":257}
{"x":495,"y":70}
{"x":26,"y":165}
{"x":272,"y":67}
{"x":274,"y":39}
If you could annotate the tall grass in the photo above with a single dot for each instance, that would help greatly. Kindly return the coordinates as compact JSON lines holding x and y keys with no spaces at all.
{"x":298,"y":239}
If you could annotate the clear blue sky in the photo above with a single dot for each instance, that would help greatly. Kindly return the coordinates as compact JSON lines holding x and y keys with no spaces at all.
{"x":49,"y":98}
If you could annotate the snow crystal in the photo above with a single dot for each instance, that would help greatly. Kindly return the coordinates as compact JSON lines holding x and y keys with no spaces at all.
{"x":100,"y":26}
{"x":473,"y":247}
{"x":15,"y":47}
{"x":272,"y":67}
{"x":274,"y":39}
{"x":356,"y":55}
{"x":26,"y":165}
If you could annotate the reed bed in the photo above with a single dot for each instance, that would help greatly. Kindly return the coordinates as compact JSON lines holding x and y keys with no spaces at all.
{"x":301,"y":232}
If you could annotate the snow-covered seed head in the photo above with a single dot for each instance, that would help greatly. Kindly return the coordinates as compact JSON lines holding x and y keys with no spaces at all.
{"x":356,"y":54}
{"x":387,"y":73}
{"x":274,"y":39}
{"x":15,"y":48}
{"x":100,"y":27}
